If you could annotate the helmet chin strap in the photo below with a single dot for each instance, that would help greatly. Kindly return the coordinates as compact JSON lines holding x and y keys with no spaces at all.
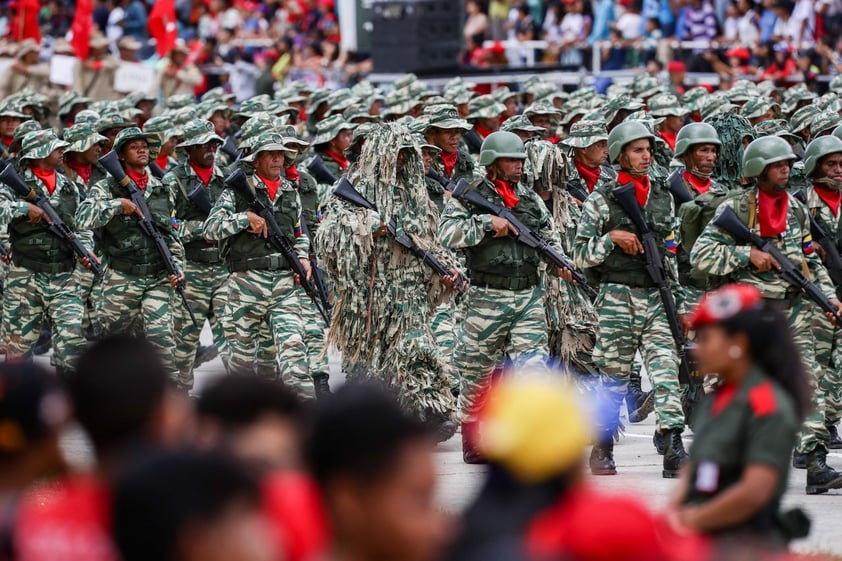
{"x":830,"y":183}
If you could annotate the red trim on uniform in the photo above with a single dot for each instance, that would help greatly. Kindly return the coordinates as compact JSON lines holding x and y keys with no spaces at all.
{"x":589,"y":174}
{"x":700,"y":184}
{"x":204,"y":174}
{"x":831,"y":197}
{"x":762,"y":399}
{"x":449,"y":161}
{"x":641,"y":186}
{"x":507,"y":191}
{"x":723,"y":396}
{"x":271,"y":186}
{"x":771,"y":213}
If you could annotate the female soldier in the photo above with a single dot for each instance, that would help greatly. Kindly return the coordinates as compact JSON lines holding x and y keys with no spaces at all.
{"x":737,"y":473}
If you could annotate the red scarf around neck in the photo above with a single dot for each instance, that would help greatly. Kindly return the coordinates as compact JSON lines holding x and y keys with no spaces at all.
{"x":291,"y":173}
{"x":641,"y":186}
{"x":204,"y":174}
{"x":140,"y":179}
{"x":507,"y":191}
{"x":771,"y":213}
{"x":47,"y":177}
{"x":271,"y":186}
{"x":449,"y":161}
{"x":7,"y":140}
{"x":162,"y":161}
{"x":700,"y":184}
{"x":482,"y":131}
{"x":554,"y":139}
{"x":588,"y":174}
{"x":82,"y":170}
{"x":669,"y":138}
{"x":831,"y":197}
{"x":338,"y":158}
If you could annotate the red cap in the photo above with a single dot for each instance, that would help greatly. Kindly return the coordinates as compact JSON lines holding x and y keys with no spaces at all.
{"x":676,"y":66}
{"x":720,"y":305}
{"x":739,"y":52}
{"x":497,"y":48}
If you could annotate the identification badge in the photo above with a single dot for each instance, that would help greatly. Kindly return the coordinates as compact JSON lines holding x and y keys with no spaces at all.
{"x":707,"y":477}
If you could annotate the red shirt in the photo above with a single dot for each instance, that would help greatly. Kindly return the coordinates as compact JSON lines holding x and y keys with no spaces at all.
{"x":293,"y":508}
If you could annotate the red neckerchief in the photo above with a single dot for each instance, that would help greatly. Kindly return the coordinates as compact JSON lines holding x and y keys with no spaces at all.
{"x":507,"y":191}
{"x":7,"y":140}
{"x":338,"y":158}
{"x":204,"y":174}
{"x":553,"y":139}
{"x":771,"y":213}
{"x":47,"y":177}
{"x":291,"y":173}
{"x":700,"y":184}
{"x":669,"y":138}
{"x":641,"y":186}
{"x":831,"y":197}
{"x":449,"y":161}
{"x":140,"y":179}
{"x":482,"y":131}
{"x":162,"y":161}
{"x":271,"y":186}
{"x":82,"y":170}
{"x":588,"y":174}
{"x":723,"y":396}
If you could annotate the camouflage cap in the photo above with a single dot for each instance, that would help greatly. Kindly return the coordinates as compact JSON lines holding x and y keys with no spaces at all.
{"x":164,"y":127}
{"x":363,"y":89}
{"x":647,"y":87}
{"x":69,"y":99}
{"x":405,"y":81}
{"x":618,"y":89}
{"x":362,"y":131}
{"x":133,"y":133}
{"x":834,"y":105}
{"x":199,"y":132}
{"x":280,"y":107}
{"x":291,"y":138}
{"x":485,"y":107}
{"x":715,"y":105}
{"x":766,"y":87}
{"x":519,"y":123}
{"x":102,"y":106}
{"x":420,"y":90}
{"x":267,"y":142}
{"x":774,"y":127}
{"x":503,"y":93}
{"x":399,"y":102}
{"x":136,"y":97}
{"x":82,"y":138}
{"x":823,"y":122}
{"x":756,"y":107}
{"x":40,"y":144}
{"x":359,"y":112}
{"x":586,"y":133}
{"x":666,"y":105}
{"x":836,"y":84}
{"x":256,"y":104}
{"x":582,"y":93}
{"x":445,"y":117}
{"x":300,"y":86}
{"x":422,"y":142}
{"x":340,"y":100}
{"x":179,"y":101}
{"x":289,"y":95}
{"x":112,"y":121}
{"x":542,"y":108}
{"x":316,"y":99}
{"x":546,"y":90}
{"x":741,"y":92}
{"x":181,"y":117}
{"x":11,"y":110}
{"x":647,"y":119}
{"x":621,"y":102}
{"x":206,"y":109}
{"x":328,"y":129}
{"x":795,"y":95}
{"x":25,"y":128}
{"x":693,"y":98}
{"x":254,"y":126}
{"x":802,"y":118}
{"x":87,"y":117}
{"x":417,"y":124}
{"x":217,"y":94}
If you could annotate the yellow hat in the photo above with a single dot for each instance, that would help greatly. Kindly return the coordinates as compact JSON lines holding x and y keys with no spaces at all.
{"x":534,"y":426}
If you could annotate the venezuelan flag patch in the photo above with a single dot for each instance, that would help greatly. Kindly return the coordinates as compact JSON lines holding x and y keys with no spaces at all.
{"x":807,"y":244}
{"x":319,"y":213}
{"x":297,"y":230}
{"x":670,"y":243}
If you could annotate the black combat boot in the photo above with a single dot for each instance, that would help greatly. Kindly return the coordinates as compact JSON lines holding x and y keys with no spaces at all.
{"x":640,"y":404}
{"x":470,"y":450}
{"x":835,"y":441}
{"x":601,"y":461}
{"x":674,"y":454}
{"x":799,"y":460}
{"x":659,"y":441}
{"x":320,"y":383}
{"x":45,"y":340}
{"x":820,"y":477}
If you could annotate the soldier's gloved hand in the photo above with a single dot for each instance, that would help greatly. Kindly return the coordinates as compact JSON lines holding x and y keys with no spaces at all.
{"x":175,"y":280}
{"x":502,"y":227}
{"x":762,"y":261}
{"x":565,"y":274}
{"x":257,"y":225}
{"x":130,"y":208}
{"x":627,"y":241}
{"x":308,"y":271}
{"x":36,"y":215}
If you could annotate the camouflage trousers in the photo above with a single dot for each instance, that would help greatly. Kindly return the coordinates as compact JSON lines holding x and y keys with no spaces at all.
{"x":86,"y":281}
{"x":138,"y":305}
{"x":445,"y":319}
{"x":313,"y":333}
{"x":829,"y":358}
{"x":802,"y":319}
{"x":261,"y":302}
{"x":631,"y":320}
{"x":29,"y":299}
{"x":497,"y":322}
{"x":206,"y":288}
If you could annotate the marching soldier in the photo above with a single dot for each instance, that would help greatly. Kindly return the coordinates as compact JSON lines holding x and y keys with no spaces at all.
{"x":333,"y":137}
{"x":108,"y":126}
{"x":775,"y":214}
{"x":444,"y":130}
{"x":10,"y":119}
{"x":485,"y":113}
{"x":169,"y":135}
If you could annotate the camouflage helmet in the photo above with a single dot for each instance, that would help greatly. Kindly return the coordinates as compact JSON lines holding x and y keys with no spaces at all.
{"x":837,"y":132}
{"x":86,"y":117}
{"x":81,"y":138}
{"x":623,"y":134}
{"x":40,"y":144}
{"x":763,"y":152}
{"x":801,"y":119}
{"x":519,"y":123}
{"x":585,"y":133}
{"x":131,"y":134}
{"x":485,"y":107}
{"x":501,"y":144}
{"x":695,"y":133}
{"x":818,"y":149}
{"x":199,"y":132}
{"x":824,"y":122}
{"x":666,"y":105}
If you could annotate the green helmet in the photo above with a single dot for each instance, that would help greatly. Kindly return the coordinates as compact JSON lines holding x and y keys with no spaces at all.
{"x":501,"y":144}
{"x":818,"y":149}
{"x":764,"y":151}
{"x":624,"y":133}
{"x":695,"y":133}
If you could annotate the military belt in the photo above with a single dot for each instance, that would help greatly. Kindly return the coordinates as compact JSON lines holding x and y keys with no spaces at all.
{"x":628,"y":279}
{"x":269,"y":263}
{"x":137,"y":269}
{"x":787,"y":301}
{"x":199,"y":254}
{"x":500,"y":282}
{"x":50,"y":267}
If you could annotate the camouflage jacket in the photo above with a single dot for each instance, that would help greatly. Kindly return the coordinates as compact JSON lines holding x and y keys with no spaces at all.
{"x":464,"y":169}
{"x":188,"y":220}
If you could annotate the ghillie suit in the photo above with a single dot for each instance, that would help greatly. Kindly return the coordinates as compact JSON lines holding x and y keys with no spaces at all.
{"x":732,"y":129}
{"x":385,"y":294}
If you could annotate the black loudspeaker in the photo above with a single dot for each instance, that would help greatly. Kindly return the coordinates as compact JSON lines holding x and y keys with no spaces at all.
{"x":416,"y":35}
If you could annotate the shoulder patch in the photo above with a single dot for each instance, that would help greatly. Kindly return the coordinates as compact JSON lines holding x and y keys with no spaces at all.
{"x":762,"y":399}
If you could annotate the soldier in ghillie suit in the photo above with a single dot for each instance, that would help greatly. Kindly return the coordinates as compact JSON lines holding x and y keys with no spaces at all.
{"x":385,"y":294}
{"x":735,"y":133}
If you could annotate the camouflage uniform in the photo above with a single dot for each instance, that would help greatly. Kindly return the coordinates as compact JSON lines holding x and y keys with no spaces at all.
{"x":41,"y":284}
{"x":481,"y":107}
{"x":135,"y":290}
{"x":335,"y":163}
{"x":261,"y":287}
{"x":205,"y":272}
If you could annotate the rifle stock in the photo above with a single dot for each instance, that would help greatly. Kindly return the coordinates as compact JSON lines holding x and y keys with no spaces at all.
{"x":156,"y":170}
{"x":678,"y":189}
{"x":229,"y":148}
{"x":316,"y":167}
{"x":57,"y":227}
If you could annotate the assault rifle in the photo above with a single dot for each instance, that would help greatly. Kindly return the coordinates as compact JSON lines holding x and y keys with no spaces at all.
{"x":833,"y":261}
{"x":112,"y":165}
{"x":577,"y":189}
{"x":678,"y":189}
{"x":525,"y":235}
{"x":238,"y":183}
{"x":57,"y":227}
{"x":789,"y":271}
{"x":318,"y":274}
{"x":229,"y":148}
{"x":626,"y":198}
{"x":439,"y":177}
{"x":349,"y":193}
{"x":156,"y":170}
{"x":317,"y":168}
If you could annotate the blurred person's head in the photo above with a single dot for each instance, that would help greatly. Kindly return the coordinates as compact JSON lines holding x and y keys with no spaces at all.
{"x":374,"y":464}
{"x":122,"y":397}
{"x":258,"y":421}
{"x":654,"y":67}
{"x":473,"y":8}
{"x":652,"y":25}
{"x":189,"y":506}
